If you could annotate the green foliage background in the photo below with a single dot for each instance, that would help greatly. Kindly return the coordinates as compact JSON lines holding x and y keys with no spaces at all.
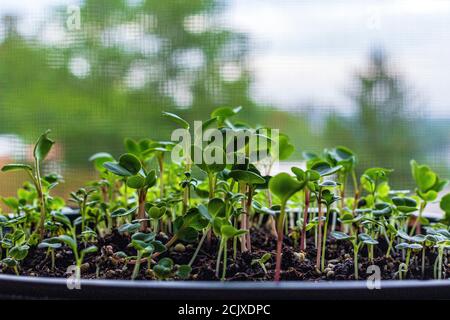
{"x":94,"y":113}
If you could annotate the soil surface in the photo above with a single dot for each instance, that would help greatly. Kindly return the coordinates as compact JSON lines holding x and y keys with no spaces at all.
{"x":295,"y":265}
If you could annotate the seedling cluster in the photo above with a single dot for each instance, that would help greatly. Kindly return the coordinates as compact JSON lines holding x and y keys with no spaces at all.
{"x":158,"y":219}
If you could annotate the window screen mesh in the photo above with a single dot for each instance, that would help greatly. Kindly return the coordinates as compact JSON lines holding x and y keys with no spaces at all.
{"x":371,"y":75}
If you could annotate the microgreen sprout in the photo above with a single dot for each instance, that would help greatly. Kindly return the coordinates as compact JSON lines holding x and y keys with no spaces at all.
{"x":40,"y":152}
{"x":161,"y":212}
{"x":262,"y":261}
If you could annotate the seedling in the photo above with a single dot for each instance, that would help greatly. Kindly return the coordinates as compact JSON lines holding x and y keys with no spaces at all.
{"x":40,"y":152}
{"x":309,"y":179}
{"x":222,"y":202}
{"x":283,"y":186}
{"x":262,"y":261}
{"x":357,"y":243}
{"x":130,"y":166}
{"x":413,"y":243}
{"x":247,"y":181}
{"x":428,"y":186}
{"x":51,"y":246}
{"x":145,"y":245}
{"x":71,"y":242}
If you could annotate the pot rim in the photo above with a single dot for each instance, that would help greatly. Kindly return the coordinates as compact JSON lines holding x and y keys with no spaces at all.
{"x":266,"y":285}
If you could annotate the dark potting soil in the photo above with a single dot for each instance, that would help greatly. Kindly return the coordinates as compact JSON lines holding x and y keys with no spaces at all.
{"x":295,"y":266}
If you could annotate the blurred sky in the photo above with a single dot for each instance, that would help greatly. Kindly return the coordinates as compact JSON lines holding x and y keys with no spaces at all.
{"x":308,"y":51}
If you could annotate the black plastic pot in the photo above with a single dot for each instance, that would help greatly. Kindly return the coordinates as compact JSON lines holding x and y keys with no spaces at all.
{"x":20,"y":287}
{"x":52,"y":288}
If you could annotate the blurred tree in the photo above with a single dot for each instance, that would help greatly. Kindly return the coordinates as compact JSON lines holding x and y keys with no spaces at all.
{"x":129,"y":61}
{"x":382,"y":129}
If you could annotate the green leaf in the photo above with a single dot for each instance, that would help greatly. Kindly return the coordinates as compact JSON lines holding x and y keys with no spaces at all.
{"x":216,"y":207}
{"x":129,"y":227}
{"x":150,"y":179}
{"x":16,"y":167}
{"x":42,"y":147}
{"x":9,"y":262}
{"x":365,"y":238}
{"x":188,"y":234}
{"x":404,"y":236}
{"x":19,"y":252}
{"x":88,"y":250}
{"x":424,"y":177}
{"x":338,"y":235}
{"x":69,"y":241}
{"x":122,"y":212}
{"x":61,"y":218}
{"x":136,"y":182}
{"x":132,"y":147}
{"x":184,"y":271}
{"x":309,"y":156}
{"x":285,"y":148}
{"x":145,"y":237}
{"x":159,"y":246}
{"x":101,"y":156}
{"x":413,"y":246}
{"x":405,"y":204}
{"x":228,"y":231}
{"x":382,"y":209}
{"x":329,"y":184}
{"x":284,"y":186}
{"x":183,"y":123}
{"x":342,"y":156}
{"x":164,"y":268}
{"x":445,"y":203}
{"x":141,"y":245}
{"x":205,"y":212}
{"x":156,"y":212}
{"x":225,"y":112}
{"x":402,"y":246}
{"x":130,"y":162}
{"x":247,"y":177}
{"x":427,"y":181}
{"x":324,"y":168}
{"x":299,"y":173}
{"x":45,"y":245}
{"x":3,"y":219}
{"x":11,"y":202}
{"x":213,"y":159}
{"x":428,"y":196}
{"x":117,"y":169}
{"x":99,"y":159}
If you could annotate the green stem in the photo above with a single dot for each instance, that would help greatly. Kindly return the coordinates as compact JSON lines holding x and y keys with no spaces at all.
{"x":355,"y":260}
{"x":391,"y":243}
{"x":441,"y":253}
{"x":280,"y":223}
{"x":305,"y":219}
{"x":198,"y":247}
{"x":38,"y":183}
{"x":137,"y":266}
{"x":408,"y":258}
{"x":161,"y":172}
{"x":324,"y":242}
{"x":419,"y":217}
{"x":219,"y":255}
{"x":52,"y":253}
{"x":224,"y":271}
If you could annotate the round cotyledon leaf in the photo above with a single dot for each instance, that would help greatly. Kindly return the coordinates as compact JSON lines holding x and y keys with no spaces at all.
{"x":284,"y":186}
